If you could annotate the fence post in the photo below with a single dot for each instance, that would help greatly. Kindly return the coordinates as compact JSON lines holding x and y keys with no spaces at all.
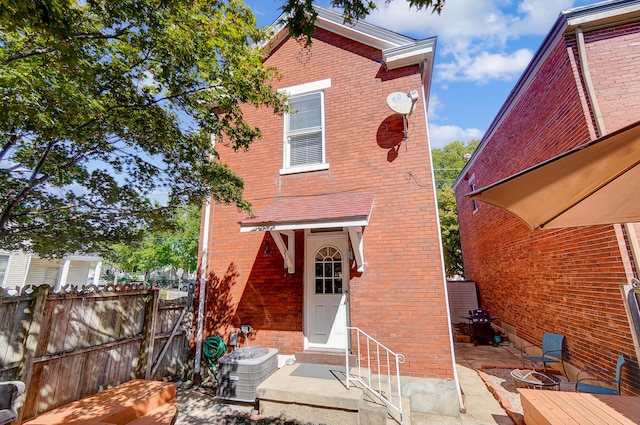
{"x":31,"y":344}
{"x":145,"y":359}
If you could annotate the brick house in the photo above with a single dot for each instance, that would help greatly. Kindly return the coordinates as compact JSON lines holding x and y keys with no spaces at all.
{"x":583,"y":83}
{"x":345,"y":229}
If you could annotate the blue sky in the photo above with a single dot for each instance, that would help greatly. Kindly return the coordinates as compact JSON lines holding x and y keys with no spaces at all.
{"x":483,"y":47}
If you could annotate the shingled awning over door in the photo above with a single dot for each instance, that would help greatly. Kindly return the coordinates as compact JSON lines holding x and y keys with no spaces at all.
{"x":285,"y":215}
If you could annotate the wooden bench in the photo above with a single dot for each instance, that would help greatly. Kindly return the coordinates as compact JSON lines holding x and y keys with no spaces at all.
{"x":137,"y":402}
{"x":567,"y":408}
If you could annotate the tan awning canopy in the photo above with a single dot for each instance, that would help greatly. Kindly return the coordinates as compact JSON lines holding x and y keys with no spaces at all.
{"x":285,"y":215}
{"x":596,"y":183}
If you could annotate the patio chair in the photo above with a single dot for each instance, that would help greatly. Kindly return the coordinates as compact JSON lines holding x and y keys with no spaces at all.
{"x":594,"y":387}
{"x":9,"y":392}
{"x":552,"y":351}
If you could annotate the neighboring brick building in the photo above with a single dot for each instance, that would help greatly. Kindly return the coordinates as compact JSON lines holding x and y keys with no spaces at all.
{"x":336,"y":189}
{"x":564,"y":281}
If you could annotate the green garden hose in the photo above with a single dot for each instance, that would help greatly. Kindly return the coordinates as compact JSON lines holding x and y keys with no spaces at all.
{"x":214,"y":348}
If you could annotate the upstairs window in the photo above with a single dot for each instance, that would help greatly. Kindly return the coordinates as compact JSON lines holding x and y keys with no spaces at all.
{"x":304,"y":129}
{"x":472,"y":187}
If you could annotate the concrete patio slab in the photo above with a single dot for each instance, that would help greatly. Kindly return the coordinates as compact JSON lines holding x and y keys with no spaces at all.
{"x":482,"y":408}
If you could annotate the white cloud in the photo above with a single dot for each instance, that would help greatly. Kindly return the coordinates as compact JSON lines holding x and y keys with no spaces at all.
{"x":483,"y":19}
{"x":161,"y":196}
{"x":537,"y":16}
{"x":442,"y":135}
{"x":479,"y":42}
{"x":434,"y":105}
{"x":485,"y":66}
{"x":474,"y":35}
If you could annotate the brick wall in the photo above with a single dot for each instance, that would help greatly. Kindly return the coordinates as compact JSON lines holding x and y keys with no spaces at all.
{"x":565,"y":281}
{"x":617,"y":84}
{"x":399,"y":299}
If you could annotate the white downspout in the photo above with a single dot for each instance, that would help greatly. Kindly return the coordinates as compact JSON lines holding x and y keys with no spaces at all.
{"x":456,"y":379}
{"x":591,"y":93}
{"x":204,"y":259}
{"x":632,"y":238}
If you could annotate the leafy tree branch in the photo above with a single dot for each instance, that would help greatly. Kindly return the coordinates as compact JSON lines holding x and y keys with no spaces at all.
{"x":106,"y":115}
{"x":300,"y":14}
{"x":447,"y":164}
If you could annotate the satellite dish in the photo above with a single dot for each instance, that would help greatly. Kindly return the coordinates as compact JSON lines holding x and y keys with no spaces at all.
{"x":400,"y":103}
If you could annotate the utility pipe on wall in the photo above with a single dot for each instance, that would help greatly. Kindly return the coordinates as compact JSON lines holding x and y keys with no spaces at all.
{"x":632,"y":238}
{"x":204,"y":259}
{"x":593,"y":99}
{"x":456,"y":378}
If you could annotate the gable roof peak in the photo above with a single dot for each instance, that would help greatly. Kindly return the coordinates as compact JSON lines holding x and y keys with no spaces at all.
{"x":398,"y":50}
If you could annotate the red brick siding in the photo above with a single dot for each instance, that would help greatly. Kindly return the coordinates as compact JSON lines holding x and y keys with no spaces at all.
{"x":617,"y":86}
{"x":399,"y":299}
{"x":565,"y":281}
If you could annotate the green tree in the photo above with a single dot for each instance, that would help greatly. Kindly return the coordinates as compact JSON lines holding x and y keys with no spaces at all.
{"x":301,"y":15}
{"x":449,"y":160}
{"x":175,"y":246}
{"x":104,"y":103}
{"x":447,"y":163}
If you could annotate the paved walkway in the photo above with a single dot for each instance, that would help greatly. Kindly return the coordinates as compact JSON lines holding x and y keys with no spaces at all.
{"x":198,"y":406}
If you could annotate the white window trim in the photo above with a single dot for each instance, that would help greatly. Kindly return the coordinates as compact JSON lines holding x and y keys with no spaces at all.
{"x":305,"y":168}
{"x":300,"y":89}
{"x":3,"y":281}
{"x":306,"y":87}
{"x":472,"y":187}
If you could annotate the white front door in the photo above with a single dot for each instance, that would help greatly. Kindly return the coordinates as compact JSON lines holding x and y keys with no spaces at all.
{"x":326,"y":290}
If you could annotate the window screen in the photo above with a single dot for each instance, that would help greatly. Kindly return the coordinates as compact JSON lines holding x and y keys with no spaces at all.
{"x":305,"y":130}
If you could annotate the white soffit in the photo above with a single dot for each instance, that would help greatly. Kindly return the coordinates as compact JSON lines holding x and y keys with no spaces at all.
{"x":283,"y":226}
{"x":601,"y":14}
{"x":411,"y":54}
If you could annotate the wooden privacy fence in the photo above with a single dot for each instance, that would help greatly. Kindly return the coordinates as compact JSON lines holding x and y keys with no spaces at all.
{"x":70,"y":345}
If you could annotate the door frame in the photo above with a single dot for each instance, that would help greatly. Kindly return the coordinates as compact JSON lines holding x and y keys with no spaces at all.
{"x":340,"y":240}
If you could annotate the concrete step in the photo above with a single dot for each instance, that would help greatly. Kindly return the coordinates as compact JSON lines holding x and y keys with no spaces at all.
{"x":316,"y":393}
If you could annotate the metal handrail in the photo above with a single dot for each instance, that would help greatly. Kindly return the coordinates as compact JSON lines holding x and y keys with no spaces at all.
{"x":386,"y":362}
